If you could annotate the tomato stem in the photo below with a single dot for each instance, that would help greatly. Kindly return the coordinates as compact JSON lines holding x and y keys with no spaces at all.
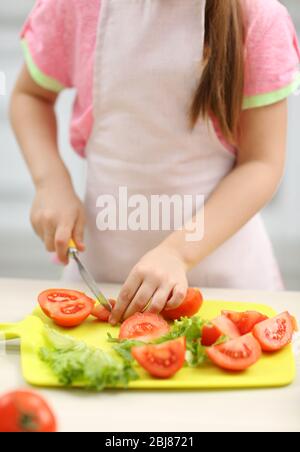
{"x":28,"y":422}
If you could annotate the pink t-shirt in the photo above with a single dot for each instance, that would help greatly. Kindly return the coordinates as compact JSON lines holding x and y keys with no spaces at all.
{"x":59,"y":41}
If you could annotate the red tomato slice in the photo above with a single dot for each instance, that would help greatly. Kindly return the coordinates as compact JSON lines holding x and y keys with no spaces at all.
{"x":49,"y":297}
{"x":144,"y":327}
{"x":210,"y":335}
{"x":161,"y":361}
{"x":245,"y":321}
{"x":101,"y":313}
{"x":274,"y":334}
{"x":189,"y":307}
{"x":236,"y":355}
{"x":25,"y":412}
{"x":67,"y":308}
{"x":226,"y":327}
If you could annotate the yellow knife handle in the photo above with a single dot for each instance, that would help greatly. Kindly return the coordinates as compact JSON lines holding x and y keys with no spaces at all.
{"x":72,"y":244}
{"x":9,"y":331}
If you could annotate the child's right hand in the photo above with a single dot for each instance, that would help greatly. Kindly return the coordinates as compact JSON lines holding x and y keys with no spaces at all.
{"x":57,"y":216}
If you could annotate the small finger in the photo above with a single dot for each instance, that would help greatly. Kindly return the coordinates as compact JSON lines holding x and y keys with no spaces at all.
{"x":62,"y":238}
{"x":178,"y":296}
{"x":141,"y":299}
{"x":159,"y":300}
{"x":49,"y":236}
{"x":78,"y":233}
{"x":127,"y":294}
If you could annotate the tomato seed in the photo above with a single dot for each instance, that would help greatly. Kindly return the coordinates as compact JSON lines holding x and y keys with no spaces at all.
{"x":161,"y":361}
{"x":278,"y":334}
{"x":141,"y":329}
{"x":240,"y":354}
{"x":72,"y":309}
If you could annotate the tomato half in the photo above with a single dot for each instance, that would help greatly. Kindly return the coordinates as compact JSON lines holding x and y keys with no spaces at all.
{"x":274,"y":334}
{"x":67,"y":308}
{"x":226,"y":327}
{"x":161,"y":361}
{"x":210,"y":335}
{"x":25,"y":412}
{"x":189,"y":307}
{"x":245,"y":321}
{"x":144,"y":327}
{"x":101,"y":313}
{"x":236,"y":355}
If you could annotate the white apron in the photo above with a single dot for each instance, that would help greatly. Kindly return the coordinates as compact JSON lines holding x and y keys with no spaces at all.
{"x":147,"y":67}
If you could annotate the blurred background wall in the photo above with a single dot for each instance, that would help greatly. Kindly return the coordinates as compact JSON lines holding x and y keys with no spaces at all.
{"x":22,"y":254}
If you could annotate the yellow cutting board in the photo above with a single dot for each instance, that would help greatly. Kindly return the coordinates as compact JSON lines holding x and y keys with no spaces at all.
{"x":271,"y":371}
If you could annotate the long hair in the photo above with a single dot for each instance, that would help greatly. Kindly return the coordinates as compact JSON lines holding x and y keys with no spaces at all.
{"x":220,"y":92}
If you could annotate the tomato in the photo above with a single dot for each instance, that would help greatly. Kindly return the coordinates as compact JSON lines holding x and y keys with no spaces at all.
{"x":274,"y":334}
{"x":237,"y":354}
{"x":210,"y":335}
{"x":67,"y":308}
{"x":144,"y":327}
{"x":70,"y":314}
{"x":295,"y":324}
{"x":245,"y":321}
{"x":24,"y":411}
{"x":161,"y":361}
{"x":189,"y":307}
{"x":226,"y":327}
{"x":101,"y":313}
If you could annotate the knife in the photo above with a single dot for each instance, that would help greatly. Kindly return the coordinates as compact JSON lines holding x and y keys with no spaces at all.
{"x":87,"y":277}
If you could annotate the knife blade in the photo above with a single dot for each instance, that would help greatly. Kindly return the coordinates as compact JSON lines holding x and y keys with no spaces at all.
{"x":87,"y":277}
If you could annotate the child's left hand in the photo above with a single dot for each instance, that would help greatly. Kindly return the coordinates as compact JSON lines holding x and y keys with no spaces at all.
{"x":161,"y":277}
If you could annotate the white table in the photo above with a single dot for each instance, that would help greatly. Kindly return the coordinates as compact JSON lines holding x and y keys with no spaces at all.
{"x":127,"y":411}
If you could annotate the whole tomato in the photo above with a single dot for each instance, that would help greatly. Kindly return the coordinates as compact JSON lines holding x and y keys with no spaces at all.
{"x":25,"y":411}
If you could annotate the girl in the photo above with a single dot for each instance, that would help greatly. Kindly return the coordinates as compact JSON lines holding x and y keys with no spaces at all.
{"x":180,"y":97}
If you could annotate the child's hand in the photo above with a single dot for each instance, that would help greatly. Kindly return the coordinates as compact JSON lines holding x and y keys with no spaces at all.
{"x":57,"y":216}
{"x":160,"y":276}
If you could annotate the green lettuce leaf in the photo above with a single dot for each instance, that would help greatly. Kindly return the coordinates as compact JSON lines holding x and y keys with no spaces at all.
{"x":123,"y":347}
{"x":74,"y":362}
{"x":188,"y":327}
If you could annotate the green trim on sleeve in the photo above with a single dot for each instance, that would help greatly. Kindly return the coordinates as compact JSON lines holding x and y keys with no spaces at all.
{"x":262,"y":100}
{"x":39,"y":77}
